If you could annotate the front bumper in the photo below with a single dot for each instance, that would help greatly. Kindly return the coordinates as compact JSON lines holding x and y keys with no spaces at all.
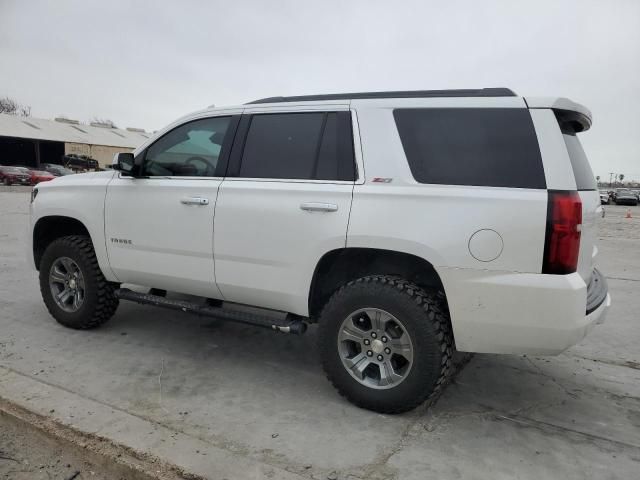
{"x":517,"y":313}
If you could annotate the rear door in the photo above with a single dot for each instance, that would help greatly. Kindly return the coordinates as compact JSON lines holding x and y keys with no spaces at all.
{"x":284,"y":203}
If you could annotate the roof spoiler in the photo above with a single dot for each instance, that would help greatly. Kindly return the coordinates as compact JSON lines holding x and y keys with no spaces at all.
{"x":571,"y":115}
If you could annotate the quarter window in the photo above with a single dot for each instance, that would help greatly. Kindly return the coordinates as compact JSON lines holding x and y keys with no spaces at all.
{"x":306,"y":146}
{"x":191,"y":150}
{"x":495,"y":147}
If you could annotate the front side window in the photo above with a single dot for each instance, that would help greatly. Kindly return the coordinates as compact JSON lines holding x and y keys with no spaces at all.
{"x":305,"y":146}
{"x":191,"y":150}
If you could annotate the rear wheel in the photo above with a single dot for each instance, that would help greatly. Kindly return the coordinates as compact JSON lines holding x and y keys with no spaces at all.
{"x":73,"y":288}
{"x":385,"y":343}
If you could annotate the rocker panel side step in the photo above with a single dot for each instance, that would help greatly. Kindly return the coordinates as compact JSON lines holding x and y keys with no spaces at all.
{"x":292,"y":324}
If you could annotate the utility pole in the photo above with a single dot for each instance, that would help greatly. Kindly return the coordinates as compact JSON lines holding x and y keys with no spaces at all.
{"x":611,"y":175}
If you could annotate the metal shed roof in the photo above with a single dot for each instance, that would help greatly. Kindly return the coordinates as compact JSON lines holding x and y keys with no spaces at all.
{"x":41,"y":129}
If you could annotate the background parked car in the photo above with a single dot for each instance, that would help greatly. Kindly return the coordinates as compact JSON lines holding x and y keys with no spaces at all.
{"x":25,"y":170}
{"x":80,"y":163}
{"x":626,"y":197}
{"x":38,"y":176}
{"x":14,"y":176}
{"x":56,"y":170}
{"x":604,"y":197}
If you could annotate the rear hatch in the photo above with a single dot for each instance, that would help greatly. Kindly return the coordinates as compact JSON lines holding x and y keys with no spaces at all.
{"x":587,"y":189}
{"x":574,"y":118}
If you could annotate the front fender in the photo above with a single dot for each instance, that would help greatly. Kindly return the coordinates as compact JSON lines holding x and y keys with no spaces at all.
{"x":83,"y":200}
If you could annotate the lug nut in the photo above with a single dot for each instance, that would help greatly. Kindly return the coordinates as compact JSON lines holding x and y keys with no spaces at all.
{"x":387,"y":351}
{"x":367,"y":341}
{"x":369,"y":353}
{"x":380,"y":357}
{"x":373,"y":335}
{"x":384,"y":339}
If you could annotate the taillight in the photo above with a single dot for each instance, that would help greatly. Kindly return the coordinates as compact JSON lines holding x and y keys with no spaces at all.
{"x":562,"y":242}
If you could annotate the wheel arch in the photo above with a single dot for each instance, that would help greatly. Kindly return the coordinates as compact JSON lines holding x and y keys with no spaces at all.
{"x":50,"y":228}
{"x":337,"y":267}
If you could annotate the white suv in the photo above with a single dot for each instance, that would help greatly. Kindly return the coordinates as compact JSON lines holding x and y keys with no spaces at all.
{"x":406,"y":224}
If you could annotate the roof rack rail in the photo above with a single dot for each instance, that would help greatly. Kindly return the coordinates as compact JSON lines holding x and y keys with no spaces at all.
{"x":479,"y":92}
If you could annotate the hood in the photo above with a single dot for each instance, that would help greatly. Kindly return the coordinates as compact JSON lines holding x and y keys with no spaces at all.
{"x":79,"y":178}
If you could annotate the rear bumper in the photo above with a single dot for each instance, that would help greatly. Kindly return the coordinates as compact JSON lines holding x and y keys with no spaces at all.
{"x":500,"y":312}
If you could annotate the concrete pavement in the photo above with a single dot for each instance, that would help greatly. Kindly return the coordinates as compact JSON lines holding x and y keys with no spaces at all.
{"x":228,"y":401}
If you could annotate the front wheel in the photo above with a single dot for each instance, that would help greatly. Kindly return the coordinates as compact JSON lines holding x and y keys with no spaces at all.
{"x":385,"y":343}
{"x":72,"y":285}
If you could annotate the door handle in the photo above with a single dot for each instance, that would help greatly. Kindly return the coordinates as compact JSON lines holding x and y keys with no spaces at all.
{"x":319,"y":207}
{"x":194,"y":201}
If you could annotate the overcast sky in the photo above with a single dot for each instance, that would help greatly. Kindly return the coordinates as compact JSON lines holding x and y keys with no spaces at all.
{"x":145,"y":63}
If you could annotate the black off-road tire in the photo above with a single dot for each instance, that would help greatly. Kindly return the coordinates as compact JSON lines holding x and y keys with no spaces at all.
{"x":426,"y":318}
{"x":99,"y":303}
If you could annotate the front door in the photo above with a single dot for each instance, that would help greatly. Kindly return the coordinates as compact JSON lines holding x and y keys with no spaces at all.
{"x":159,"y":225}
{"x":284,"y":204}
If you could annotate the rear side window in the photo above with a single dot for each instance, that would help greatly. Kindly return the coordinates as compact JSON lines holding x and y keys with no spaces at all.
{"x":304,"y":146}
{"x":579,"y":162}
{"x":494,"y":147}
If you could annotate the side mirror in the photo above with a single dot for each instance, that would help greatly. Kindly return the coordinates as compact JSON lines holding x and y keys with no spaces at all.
{"x":124,"y":162}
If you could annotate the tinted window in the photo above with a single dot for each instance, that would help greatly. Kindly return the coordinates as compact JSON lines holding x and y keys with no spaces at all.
{"x":191,"y":150}
{"x":494,"y":147}
{"x":581,"y":168}
{"x":307,"y":146}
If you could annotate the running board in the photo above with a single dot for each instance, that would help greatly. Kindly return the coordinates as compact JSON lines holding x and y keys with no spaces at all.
{"x":292,"y":324}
